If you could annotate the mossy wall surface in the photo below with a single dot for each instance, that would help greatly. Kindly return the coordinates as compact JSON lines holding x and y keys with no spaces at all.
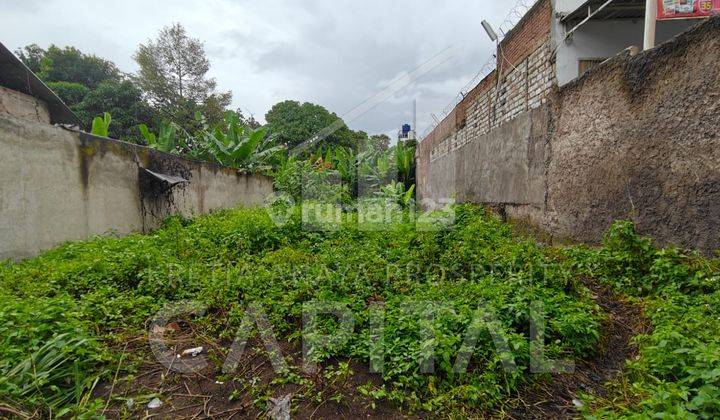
{"x":59,"y":186}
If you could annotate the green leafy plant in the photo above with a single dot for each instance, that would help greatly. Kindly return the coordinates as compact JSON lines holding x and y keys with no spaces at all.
{"x":64,"y":314}
{"x":167,"y":140}
{"x":345,"y":161}
{"x":405,"y":161}
{"x":677,"y":371}
{"x":366,"y":170}
{"x":375,"y":168}
{"x":236,"y":145}
{"x":395,"y":193}
{"x":55,"y":376}
{"x":108,"y":288}
{"x":101,"y":125}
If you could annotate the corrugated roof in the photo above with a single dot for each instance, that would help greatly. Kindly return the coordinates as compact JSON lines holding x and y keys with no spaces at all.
{"x":618,"y":9}
{"x":16,"y":76}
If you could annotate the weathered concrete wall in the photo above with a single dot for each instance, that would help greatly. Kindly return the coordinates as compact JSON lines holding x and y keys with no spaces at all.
{"x":635,"y":138}
{"x":18,"y":105}
{"x":59,"y":186}
{"x":639,"y":138}
{"x":506,"y":165}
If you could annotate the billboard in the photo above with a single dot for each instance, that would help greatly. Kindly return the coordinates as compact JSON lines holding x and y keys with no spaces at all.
{"x":685,"y":9}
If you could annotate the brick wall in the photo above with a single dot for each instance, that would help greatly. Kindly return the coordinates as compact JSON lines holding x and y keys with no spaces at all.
{"x":478,"y":107}
{"x":526,"y":85}
{"x":526,"y":37}
{"x":527,"y":75}
{"x":488,"y":106}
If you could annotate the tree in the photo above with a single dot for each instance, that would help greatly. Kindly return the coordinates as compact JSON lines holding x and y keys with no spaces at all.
{"x":173,"y":77}
{"x":68,"y":64}
{"x":237,"y":145}
{"x":214,"y":107}
{"x":252,"y":122}
{"x":31,"y":55}
{"x":70,"y":92}
{"x":380,"y":141}
{"x":91,"y":86}
{"x":123,"y":100}
{"x":292,"y":123}
{"x":249,"y":121}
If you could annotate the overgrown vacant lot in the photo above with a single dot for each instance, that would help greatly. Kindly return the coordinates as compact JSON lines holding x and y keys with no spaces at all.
{"x":75,"y":322}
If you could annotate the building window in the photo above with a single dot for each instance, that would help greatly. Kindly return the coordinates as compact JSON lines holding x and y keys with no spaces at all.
{"x":588,"y":63}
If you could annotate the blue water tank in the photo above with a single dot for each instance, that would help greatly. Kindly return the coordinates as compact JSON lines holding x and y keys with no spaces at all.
{"x":406,"y":128}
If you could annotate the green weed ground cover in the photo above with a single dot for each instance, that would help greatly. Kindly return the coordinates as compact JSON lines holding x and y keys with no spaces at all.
{"x":65,"y":315}
{"x":677,"y":372}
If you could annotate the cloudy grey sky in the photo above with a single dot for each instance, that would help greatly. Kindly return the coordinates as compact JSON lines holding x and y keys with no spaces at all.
{"x":336,"y":53}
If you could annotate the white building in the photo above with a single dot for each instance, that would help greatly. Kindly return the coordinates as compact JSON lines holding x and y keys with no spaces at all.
{"x":587,"y":32}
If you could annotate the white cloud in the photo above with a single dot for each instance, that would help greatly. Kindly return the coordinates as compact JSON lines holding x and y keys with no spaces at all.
{"x":335,"y":53}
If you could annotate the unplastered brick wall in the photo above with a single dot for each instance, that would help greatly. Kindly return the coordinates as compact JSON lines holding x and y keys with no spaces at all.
{"x":527,"y":73}
{"x":477,"y":110}
{"x":480,"y":114}
{"x":540,"y":75}
{"x":525,"y":63}
{"x":526,"y":85}
{"x":445,"y":129}
{"x":526,"y":37}
{"x":525,"y":88}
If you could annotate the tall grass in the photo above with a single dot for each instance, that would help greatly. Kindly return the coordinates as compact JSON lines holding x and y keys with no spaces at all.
{"x":52,"y":377}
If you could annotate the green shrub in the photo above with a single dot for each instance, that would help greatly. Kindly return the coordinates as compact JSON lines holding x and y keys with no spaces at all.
{"x":109,"y":288}
{"x":677,"y":373}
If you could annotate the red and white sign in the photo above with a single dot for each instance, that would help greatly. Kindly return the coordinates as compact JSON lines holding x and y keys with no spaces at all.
{"x":687,"y":9}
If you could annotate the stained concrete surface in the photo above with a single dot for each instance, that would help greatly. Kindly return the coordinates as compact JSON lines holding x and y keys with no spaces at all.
{"x":60,"y":186}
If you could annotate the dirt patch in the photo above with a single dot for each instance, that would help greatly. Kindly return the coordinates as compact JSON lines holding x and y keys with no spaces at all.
{"x":557,"y":398}
{"x":332,"y":392}
{"x":336,"y":390}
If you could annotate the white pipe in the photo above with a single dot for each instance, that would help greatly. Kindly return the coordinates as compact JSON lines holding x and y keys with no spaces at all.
{"x":650,"y":23}
{"x":590,"y":15}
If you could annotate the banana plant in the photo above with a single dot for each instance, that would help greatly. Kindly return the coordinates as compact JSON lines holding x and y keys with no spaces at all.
{"x":101,"y":125}
{"x":395,"y":193}
{"x":376,"y":168}
{"x":345,"y":163}
{"x":167,"y":139}
{"x":405,"y":161}
{"x":238,"y":145}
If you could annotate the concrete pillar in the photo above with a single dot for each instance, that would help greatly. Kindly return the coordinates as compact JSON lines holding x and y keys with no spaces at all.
{"x":650,"y":23}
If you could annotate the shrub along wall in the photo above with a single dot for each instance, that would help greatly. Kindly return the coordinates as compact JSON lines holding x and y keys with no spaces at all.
{"x":635,"y":138}
{"x":59,"y":186}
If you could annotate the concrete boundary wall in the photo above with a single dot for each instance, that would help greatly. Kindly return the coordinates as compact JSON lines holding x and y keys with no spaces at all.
{"x":502,"y":166}
{"x":637,"y":138}
{"x":59,"y":186}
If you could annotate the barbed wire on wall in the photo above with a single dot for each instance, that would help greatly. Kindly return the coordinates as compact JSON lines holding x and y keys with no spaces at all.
{"x":513,"y":17}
